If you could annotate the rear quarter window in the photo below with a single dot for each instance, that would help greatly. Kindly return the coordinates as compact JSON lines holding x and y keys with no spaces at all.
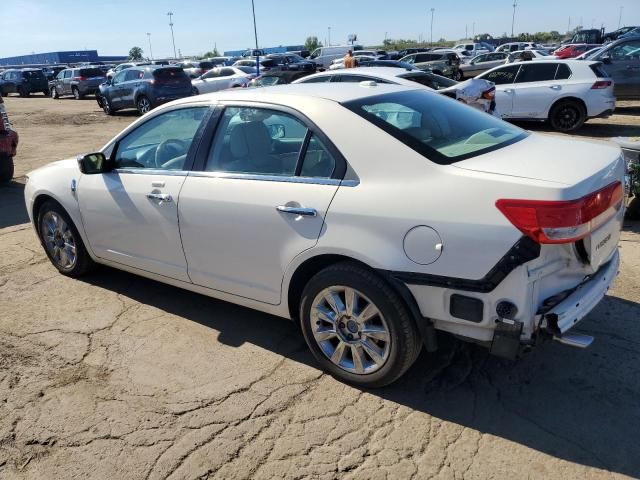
{"x":564,"y":72}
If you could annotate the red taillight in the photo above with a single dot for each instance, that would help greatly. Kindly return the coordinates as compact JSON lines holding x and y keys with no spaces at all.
{"x":563,"y":221}
{"x":601,"y":84}
{"x":80,"y":79}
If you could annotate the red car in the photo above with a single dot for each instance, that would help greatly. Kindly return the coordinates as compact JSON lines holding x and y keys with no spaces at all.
{"x":8,"y":145}
{"x":573,"y":50}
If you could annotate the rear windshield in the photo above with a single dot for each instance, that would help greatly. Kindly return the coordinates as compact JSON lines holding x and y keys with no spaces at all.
{"x":207,"y":65}
{"x":440,"y":129}
{"x":168,"y":73}
{"x":33,"y":74}
{"x":247,"y":69}
{"x":268,"y":63}
{"x":91,"y":72}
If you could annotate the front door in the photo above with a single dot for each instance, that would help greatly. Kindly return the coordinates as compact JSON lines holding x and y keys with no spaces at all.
{"x":503,"y":77}
{"x":131,"y":214}
{"x":131,"y":79}
{"x":260,"y":200}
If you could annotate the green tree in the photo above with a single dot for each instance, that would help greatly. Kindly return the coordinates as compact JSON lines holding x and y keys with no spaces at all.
{"x":211,"y":53}
{"x":311,"y":43}
{"x":135,"y":53}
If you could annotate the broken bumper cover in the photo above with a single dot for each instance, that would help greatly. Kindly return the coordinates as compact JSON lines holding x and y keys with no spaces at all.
{"x":582,"y":300}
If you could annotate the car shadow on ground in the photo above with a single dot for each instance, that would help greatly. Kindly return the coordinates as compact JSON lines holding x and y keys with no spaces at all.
{"x":577,"y":405}
{"x":13,"y":211}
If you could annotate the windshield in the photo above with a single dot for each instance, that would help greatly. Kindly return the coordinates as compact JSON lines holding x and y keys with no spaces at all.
{"x":248,"y":70}
{"x":440,"y":129}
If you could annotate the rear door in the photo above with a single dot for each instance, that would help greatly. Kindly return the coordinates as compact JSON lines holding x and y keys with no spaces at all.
{"x":251,"y":210}
{"x":115,"y":90}
{"x":624,"y":67}
{"x":132,"y":78}
{"x":66,"y":81}
{"x":536,"y":89}
{"x":503,"y":77}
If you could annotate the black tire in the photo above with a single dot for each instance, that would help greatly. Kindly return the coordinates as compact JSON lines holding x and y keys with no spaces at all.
{"x":53,"y":93}
{"x":633,"y":209}
{"x":6,"y":168}
{"x":458,"y":77}
{"x":83,"y":262}
{"x":76,"y":93}
{"x":23,"y":92}
{"x":567,"y":116}
{"x":106,"y":106}
{"x":194,"y":91}
{"x":404,"y":339}
{"x":143,"y":105}
{"x":45,"y":93}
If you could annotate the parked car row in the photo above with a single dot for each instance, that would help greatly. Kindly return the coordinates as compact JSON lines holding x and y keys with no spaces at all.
{"x":8,"y":145}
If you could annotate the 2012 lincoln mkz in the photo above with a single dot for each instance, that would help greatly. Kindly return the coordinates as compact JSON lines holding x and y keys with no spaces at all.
{"x":373,"y":215}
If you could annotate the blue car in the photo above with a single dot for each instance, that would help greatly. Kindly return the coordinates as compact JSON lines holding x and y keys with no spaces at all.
{"x":143,"y":88}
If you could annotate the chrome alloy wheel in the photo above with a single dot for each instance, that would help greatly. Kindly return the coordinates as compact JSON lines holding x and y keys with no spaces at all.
{"x":350,"y":330}
{"x":58,"y":240}
{"x":144,"y":105}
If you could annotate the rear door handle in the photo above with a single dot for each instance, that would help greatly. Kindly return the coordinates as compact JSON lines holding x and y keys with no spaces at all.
{"x":305,"y":212}
{"x":163,"y":197}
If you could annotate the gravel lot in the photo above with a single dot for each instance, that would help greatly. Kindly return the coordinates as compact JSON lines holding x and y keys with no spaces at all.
{"x":115,"y":376}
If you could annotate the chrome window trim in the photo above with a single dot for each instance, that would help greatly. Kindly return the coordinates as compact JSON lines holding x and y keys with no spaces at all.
{"x":151,"y":171}
{"x":276,"y":178}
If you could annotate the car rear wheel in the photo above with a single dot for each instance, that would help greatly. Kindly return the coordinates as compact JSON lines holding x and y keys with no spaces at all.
{"x":61,"y":240}
{"x":6,"y":168}
{"x":76,"y":93}
{"x":53,"y":93}
{"x":23,"y":92}
{"x":357,"y":327}
{"x":143,"y":104}
{"x":567,"y":116}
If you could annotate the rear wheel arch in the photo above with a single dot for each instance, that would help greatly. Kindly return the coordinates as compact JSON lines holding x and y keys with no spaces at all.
{"x":310,"y":267}
{"x":568,"y":99}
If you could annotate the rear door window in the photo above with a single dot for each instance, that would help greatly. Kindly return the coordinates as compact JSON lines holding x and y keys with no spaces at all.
{"x":564,"y":72}
{"x":536,"y":72}
{"x":132,"y":74}
{"x":503,"y":75}
{"x":67,"y":73}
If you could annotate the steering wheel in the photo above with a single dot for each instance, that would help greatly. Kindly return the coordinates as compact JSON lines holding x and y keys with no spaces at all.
{"x":169,"y":149}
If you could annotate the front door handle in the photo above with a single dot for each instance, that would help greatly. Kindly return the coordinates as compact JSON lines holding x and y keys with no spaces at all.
{"x":555,"y":87}
{"x":508,"y":90}
{"x":163,"y":197}
{"x":305,"y":212}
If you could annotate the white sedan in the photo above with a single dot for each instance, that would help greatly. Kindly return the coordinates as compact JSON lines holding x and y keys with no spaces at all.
{"x":221,"y":78}
{"x":372,"y":215}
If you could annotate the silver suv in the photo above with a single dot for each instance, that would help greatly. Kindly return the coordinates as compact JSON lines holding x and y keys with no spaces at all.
{"x":445,"y":63}
{"x":77,"y":82}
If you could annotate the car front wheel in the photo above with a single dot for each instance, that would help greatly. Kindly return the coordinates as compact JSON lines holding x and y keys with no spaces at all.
{"x":53,"y":93}
{"x":76,"y":93}
{"x":61,"y":241}
{"x":357,"y":327}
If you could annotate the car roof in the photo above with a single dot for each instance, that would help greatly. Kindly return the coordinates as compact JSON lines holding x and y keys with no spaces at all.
{"x":292,"y":93}
{"x":379,"y":71}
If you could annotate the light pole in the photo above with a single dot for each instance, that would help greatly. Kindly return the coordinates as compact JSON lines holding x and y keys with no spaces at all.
{"x":173,"y":40}
{"x":329,"y":36}
{"x":255,"y":33}
{"x":513,"y":19}
{"x":620,"y":17}
{"x":150,"y":51}
{"x":432,"y":12}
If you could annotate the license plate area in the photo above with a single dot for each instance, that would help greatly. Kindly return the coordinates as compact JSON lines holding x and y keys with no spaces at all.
{"x":602,"y":242}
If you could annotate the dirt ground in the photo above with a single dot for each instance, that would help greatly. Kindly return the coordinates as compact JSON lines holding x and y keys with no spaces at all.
{"x":118,"y":377}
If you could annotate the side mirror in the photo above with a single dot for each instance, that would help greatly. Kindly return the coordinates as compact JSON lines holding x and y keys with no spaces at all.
{"x":93,"y":163}
{"x":277,"y":130}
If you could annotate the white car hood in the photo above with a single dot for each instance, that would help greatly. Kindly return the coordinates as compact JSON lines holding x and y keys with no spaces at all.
{"x":550,"y":158}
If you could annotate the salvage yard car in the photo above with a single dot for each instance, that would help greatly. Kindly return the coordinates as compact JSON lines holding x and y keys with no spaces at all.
{"x":24,"y":82}
{"x":445,"y":218}
{"x":78,"y":82}
{"x":565,"y":92}
{"x":8,"y":145}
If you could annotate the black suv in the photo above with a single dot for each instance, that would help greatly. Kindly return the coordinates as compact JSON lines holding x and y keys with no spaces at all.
{"x":23,"y":82}
{"x":143,"y":88}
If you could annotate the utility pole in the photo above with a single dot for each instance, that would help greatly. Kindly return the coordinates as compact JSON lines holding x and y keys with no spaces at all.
{"x":432,"y":12}
{"x":329,"y":37}
{"x":513,"y":18}
{"x":620,"y":17}
{"x":255,"y":33}
{"x":569,"y":25}
{"x":173,"y":40}
{"x":150,"y":51}
{"x":466,"y":33}
{"x":473,"y":30}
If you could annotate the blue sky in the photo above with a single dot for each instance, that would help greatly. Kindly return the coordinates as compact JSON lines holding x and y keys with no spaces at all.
{"x":114,"y":26}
